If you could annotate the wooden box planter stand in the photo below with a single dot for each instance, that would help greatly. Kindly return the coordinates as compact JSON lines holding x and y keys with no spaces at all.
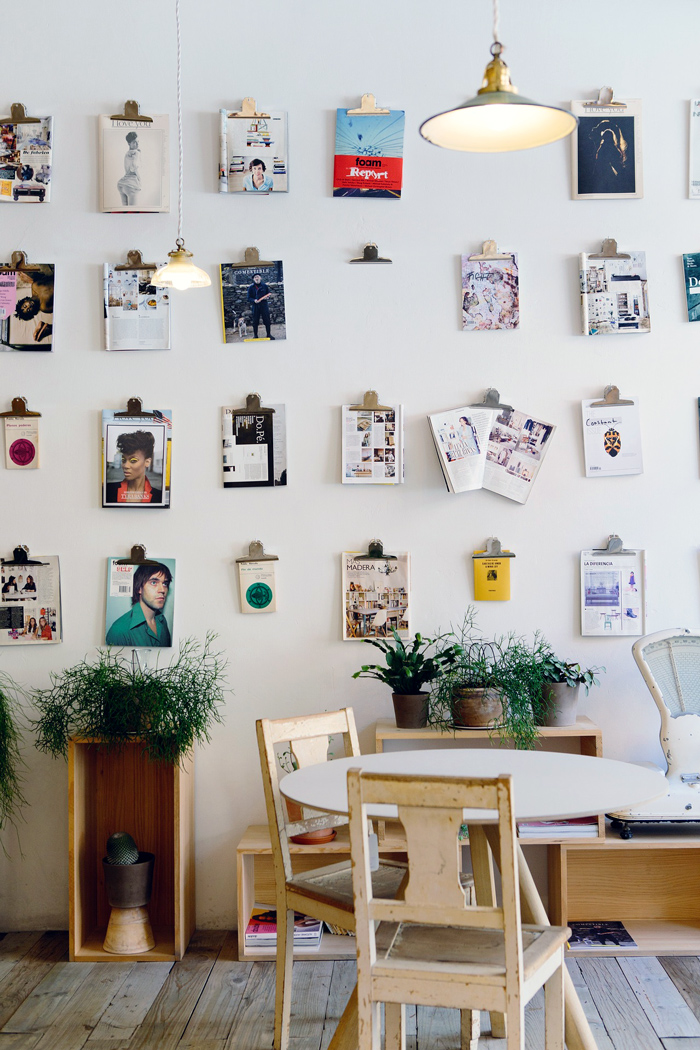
{"x":122,"y":790}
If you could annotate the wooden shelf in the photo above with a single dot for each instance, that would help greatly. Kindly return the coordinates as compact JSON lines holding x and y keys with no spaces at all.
{"x":108,"y":791}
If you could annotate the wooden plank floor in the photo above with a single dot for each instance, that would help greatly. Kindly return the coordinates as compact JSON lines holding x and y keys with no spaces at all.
{"x":211,"y":1001}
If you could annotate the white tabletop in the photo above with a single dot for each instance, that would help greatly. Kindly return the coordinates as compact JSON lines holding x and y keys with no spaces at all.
{"x":547,"y":785}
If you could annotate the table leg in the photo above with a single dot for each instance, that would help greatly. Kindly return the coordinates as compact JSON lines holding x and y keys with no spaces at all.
{"x":485,"y":887}
{"x":345,"y":1035}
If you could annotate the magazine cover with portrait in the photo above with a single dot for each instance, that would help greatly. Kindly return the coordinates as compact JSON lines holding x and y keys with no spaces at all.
{"x":140,"y":602}
{"x":136,"y":458}
{"x":252,"y":302}
{"x":26,"y":307}
{"x":134,"y":165}
{"x":253,"y":152}
{"x":30,"y":601}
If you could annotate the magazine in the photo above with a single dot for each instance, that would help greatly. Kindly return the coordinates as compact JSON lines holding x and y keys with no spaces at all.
{"x":573,"y":827}
{"x":490,"y":294}
{"x":30,"y":602}
{"x":136,"y":458}
{"x":21,"y":442}
{"x":592,"y":935}
{"x":372,"y":446}
{"x":261,"y":931}
{"x":368,"y":154}
{"x":140,"y":603}
{"x":613,"y":593}
{"x":614,"y":295}
{"x":26,"y":307}
{"x":25,"y":161}
{"x":253,"y":152}
{"x":137,"y":314}
{"x":612,"y":439}
{"x":376,"y":593}
{"x":252,"y":302}
{"x":691,"y":273}
{"x":254,"y":447}
{"x":606,"y":151}
{"x":694,"y":176}
{"x":497,"y":449}
{"x":257,"y":581}
{"x":134,"y":164}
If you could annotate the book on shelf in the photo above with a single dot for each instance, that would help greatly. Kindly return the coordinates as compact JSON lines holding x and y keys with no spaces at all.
{"x":593,"y":935}
{"x":261,"y":931}
{"x":573,"y":827}
{"x":338,"y":931}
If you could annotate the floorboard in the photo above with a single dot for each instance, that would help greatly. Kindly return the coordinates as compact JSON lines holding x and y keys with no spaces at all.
{"x":30,"y":971}
{"x":129,"y":1007}
{"x":255,"y":1021}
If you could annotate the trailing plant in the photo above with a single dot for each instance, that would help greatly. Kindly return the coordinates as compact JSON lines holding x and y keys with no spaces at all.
{"x":409,"y":668}
{"x":113,"y":698}
{"x":11,"y":797}
{"x":508,"y":664}
{"x":556,"y":670}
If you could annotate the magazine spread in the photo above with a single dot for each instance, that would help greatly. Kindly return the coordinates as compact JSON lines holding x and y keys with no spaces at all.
{"x":25,"y":161}
{"x":614,"y":296}
{"x":375,"y":595}
{"x":461,"y":439}
{"x":253,"y":152}
{"x":606,"y":151}
{"x":140,"y":603}
{"x":612,"y":439}
{"x":490,"y":294}
{"x":134,"y":164}
{"x":26,"y":307}
{"x":252,"y":302}
{"x":254,"y":447}
{"x":137,"y":314}
{"x":30,"y":605}
{"x":368,"y":154}
{"x":136,"y":456}
{"x":594,"y":935}
{"x":613,"y":593}
{"x":691,"y":273}
{"x":258,"y":586}
{"x":372,"y":446}
{"x":694,"y":174}
{"x":21,"y":442}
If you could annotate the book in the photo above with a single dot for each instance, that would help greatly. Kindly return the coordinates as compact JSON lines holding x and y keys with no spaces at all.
{"x":572,"y":827}
{"x":261,"y":931}
{"x":496,"y":449}
{"x":614,"y":295}
{"x":592,"y":935}
{"x":490,"y":294}
{"x":372,"y":446}
{"x":612,"y":439}
{"x":691,"y":273}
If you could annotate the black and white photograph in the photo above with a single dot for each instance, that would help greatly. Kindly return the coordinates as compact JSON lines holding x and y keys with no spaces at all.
{"x":252,"y":299}
{"x":606,"y":151}
{"x":135,"y":174}
{"x":136,"y":459}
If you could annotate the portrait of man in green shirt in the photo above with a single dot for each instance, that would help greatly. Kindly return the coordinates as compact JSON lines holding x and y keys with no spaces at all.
{"x":145,"y":623}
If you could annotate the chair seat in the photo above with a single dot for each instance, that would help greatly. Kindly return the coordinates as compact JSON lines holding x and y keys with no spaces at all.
{"x":454,"y":950}
{"x":333,"y":883}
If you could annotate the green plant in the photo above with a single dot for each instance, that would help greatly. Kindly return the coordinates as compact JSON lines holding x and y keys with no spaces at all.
{"x":11,"y":797}
{"x":556,"y":670}
{"x":114,"y":698}
{"x":508,"y":664}
{"x":409,"y":668}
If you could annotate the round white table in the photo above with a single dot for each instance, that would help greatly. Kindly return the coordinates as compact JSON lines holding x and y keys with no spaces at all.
{"x":546,"y":786}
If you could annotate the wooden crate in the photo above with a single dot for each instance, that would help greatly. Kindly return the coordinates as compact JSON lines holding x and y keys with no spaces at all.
{"x":108,"y":791}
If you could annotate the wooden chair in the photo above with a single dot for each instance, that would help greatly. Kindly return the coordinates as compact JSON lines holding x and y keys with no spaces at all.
{"x":446,"y":951}
{"x":325,"y":893}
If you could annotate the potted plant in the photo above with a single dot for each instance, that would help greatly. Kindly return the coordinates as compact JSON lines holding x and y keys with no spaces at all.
{"x":407,"y":670}
{"x":560,"y":689}
{"x":493,"y":683}
{"x":113,"y":699}
{"x":11,"y":797}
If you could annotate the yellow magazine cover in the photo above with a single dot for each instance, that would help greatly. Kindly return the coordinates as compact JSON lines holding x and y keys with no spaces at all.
{"x":491,"y":578}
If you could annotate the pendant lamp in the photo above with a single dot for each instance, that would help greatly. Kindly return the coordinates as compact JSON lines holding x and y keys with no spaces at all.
{"x":498,"y":119}
{"x":180,"y":273}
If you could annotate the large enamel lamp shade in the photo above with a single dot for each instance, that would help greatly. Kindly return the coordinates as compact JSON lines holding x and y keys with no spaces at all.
{"x":498,"y":119}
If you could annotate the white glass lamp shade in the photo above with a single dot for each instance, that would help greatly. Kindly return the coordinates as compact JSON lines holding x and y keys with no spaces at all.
{"x":180,"y":273}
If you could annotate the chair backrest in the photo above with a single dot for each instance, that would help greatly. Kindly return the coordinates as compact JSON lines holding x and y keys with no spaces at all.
{"x":307,"y":738}
{"x":379,"y":619}
{"x":431,"y":812}
{"x":670,"y":664}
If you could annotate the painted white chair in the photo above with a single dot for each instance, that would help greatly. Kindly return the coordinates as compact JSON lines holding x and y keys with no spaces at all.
{"x":670,"y":664}
{"x":445,"y":951}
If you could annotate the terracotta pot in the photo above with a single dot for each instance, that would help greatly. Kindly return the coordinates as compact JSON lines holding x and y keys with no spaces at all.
{"x":476,"y":708}
{"x":307,"y":838}
{"x":411,"y":710}
{"x":129,"y":885}
{"x":560,"y":702}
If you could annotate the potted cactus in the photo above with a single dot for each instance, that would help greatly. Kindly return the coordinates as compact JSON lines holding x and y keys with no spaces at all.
{"x":128,"y":875}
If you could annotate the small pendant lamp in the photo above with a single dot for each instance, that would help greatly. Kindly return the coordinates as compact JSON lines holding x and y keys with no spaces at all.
{"x":180,"y":273}
{"x":498,"y":119}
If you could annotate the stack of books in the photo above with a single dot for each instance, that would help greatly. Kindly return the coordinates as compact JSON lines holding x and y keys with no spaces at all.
{"x":574,"y":827}
{"x":261,"y":931}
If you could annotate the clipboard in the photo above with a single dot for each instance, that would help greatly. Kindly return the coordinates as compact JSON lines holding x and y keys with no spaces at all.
{"x":19,"y":410}
{"x":370,"y":254}
{"x":492,"y":400}
{"x":131,"y":112}
{"x":134,"y":407}
{"x":608,"y":250}
{"x":247,"y":111}
{"x":134,"y":261}
{"x":137,"y":557}
{"x":370,"y":403}
{"x":20,"y":556}
{"x":368,"y":108}
{"x":19,"y":115}
{"x":251,"y":258}
{"x":375,"y":551}
{"x":489,"y":251}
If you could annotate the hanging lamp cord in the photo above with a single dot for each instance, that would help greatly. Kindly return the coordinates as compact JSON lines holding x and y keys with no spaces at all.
{"x":496,"y":20}
{"x":179,"y":122}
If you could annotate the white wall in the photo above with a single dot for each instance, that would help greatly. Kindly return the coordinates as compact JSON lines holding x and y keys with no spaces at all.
{"x":350,"y":328}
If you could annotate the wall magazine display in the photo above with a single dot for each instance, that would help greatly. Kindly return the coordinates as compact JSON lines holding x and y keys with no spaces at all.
{"x":613,"y":591}
{"x":253,"y":150}
{"x":26,"y":305}
{"x":252,"y":300}
{"x":136,"y":313}
{"x":372,"y":443}
{"x":376,"y":593}
{"x":614,"y":294}
{"x":612,"y":438}
{"x":140,"y":598}
{"x":490,"y":290}
{"x":368,"y":151}
{"x":694,"y":151}
{"x":254,"y":445}
{"x":30,"y":602}
{"x":136,"y":456}
{"x":26,"y":145}
{"x":134,"y":153}
{"x":606,"y":148}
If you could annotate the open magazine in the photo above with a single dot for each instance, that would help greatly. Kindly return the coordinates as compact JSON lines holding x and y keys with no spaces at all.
{"x":372,"y":446}
{"x":498,"y":449}
{"x":137,"y":314}
{"x":30,"y":602}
